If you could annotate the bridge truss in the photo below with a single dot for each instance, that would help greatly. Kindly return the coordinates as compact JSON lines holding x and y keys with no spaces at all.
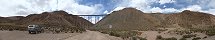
{"x":93,"y":18}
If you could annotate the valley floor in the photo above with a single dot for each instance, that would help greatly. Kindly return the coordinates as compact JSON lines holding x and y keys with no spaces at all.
{"x":152,"y":35}
{"x":23,"y":35}
{"x":89,"y":35}
{"x":93,"y":35}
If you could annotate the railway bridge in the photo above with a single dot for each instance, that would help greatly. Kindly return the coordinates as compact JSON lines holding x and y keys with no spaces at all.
{"x":93,"y":18}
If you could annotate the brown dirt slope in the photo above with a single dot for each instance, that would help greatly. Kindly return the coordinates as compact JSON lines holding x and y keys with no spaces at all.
{"x":128,"y":18}
{"x":57,"y":20}
{"x":133,"y":19}
{"x":190,"y":19}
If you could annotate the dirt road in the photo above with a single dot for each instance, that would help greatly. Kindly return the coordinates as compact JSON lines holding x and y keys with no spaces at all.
{"x":93,"y":35}
{"x":23,"y":35}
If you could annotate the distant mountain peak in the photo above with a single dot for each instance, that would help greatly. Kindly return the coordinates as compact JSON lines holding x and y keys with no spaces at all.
{"x":128,"y":10}
{"x":61,"y":12}
{"x":134,"y":19}
{"x":186,"y":11}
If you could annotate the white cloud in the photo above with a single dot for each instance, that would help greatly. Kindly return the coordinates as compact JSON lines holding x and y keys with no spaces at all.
{"x":212,"y":4}
{"x":193,"y":8}
{"x":164,"y":6}
{"x":14,"y":7}
{"x":166,"y":1}
{"x":211,"y":11}
{"x":82,"y":9}
{"x":142,"y":5}
{"x":7,"y":7}
{"x":155,"y":10}
{"x":170,"y":10}
{"x":138,"y":3}
{"x":159,"y":10}
{"x":105,"y":12}
{"x":145,"y":6}
{"x":118,"y":8}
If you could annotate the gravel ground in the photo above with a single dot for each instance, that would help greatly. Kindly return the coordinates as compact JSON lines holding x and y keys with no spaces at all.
{"x":152,"y":35}
{"x":93,"y":35}
{"x":23,"y":35}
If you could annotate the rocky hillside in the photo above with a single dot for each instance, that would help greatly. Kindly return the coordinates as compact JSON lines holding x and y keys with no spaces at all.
{"x":60,"y":20}
{"x":190,"y":19}
{"x":56,"y":18}
{"x":133,"y":19}
{"x":128,"y":18}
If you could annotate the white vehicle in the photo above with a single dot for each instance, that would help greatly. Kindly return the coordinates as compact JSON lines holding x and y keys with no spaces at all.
{"x":34,"y":29}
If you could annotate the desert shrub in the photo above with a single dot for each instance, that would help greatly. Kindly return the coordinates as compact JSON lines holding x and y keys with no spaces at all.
{"x":57,"y":31}
{"x":159,"y":32}
{"x":205,"y":37}
{"x":122,"y":34}
{"x":159,"y":37}
{"x":142,"y":38}
{"x":22,"y":28}
{"x":136,"y":38}
{"x":183,"y":39}
{"x":115,"y":34}
{"x":16,"y":28}
{"x":197,"y":38}
{"x":63,"y":29}
{"x":126,"y":34}
{"x":209,"y":31}
{"x":1,"y":28}
{"x":162,"y":29}
{"x":172,"y":38}
{"x":10,"y":29}
{"x":189,"y":36}
{"x":210,"y":34}
{"x":188,"y":32}
{"x":105,"y":32}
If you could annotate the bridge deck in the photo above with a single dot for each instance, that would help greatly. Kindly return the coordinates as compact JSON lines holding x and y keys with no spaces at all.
{"x":92,"y":18}
{"x":90,"y":15}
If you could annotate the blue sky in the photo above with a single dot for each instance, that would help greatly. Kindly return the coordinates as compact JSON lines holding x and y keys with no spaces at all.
{"x":85,"y":7}
{"x":95,"y":7}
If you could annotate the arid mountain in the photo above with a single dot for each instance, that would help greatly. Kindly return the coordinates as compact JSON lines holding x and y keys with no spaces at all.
{"x":9,"y":19}
{"x":128,"y":18}
{"x":190,"y":19}
{"x":15,"y":17}
{"x":57,"y":20}
{"x":133,"y":19}
{"x":4,"y":20}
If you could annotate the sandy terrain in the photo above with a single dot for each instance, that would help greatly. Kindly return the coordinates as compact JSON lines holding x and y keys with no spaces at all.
{"x":92,"y":35}
{"x":149,"y":35}
{"x":152,"y":35}
{"x":89,"y":35}
{"x":23,"y":35}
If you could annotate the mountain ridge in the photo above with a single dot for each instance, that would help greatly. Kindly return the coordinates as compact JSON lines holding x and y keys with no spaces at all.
{"x":133,"y":19}
{"x":49,"y":20}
